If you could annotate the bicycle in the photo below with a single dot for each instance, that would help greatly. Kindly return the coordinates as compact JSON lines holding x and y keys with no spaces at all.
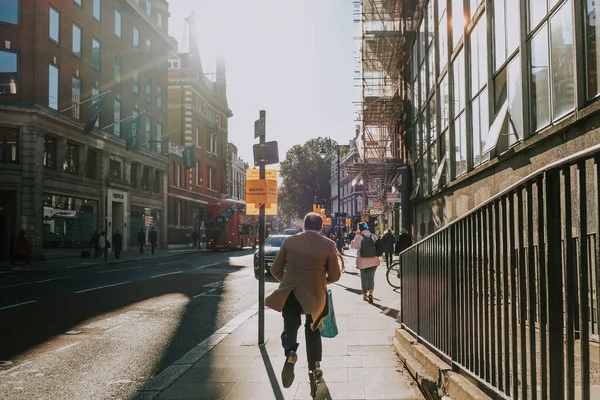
{"x":393,"y":274}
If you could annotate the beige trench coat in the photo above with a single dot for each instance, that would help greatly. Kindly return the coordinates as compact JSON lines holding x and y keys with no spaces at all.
{"x":305,"y":264}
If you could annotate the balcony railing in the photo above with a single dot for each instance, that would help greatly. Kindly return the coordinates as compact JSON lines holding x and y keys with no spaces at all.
{"x":508,"y":294}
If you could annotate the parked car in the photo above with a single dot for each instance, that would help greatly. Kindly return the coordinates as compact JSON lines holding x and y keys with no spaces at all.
{"x":272,"y":246}
{"x":290,"y":231}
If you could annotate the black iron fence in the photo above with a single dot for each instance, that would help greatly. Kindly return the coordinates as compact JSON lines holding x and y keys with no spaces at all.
{"x":508,"y":294}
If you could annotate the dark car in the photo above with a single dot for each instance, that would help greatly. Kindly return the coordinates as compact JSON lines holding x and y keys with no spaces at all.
{"x":290,"y":231}
{"x":272,"y":246}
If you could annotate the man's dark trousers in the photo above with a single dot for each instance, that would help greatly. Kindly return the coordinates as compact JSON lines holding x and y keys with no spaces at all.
{"x":292,"y":311}
{"x":117,"y":250}
{"x":389,"y":257}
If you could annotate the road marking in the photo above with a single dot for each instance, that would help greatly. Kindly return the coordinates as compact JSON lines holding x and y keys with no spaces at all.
{"x":13,"y":368}
{"x":216,"y":284}
{"x":19,"y":304}
{"x":171,"y":262}
{"x":17,"y":284}
{"x":102,"y":287}
{"x":117,"y":270}
{"x":206,"y":295}
{"x":54,"y":279}
{"x":168,"y":273}
{"x":207,"y":265}
{"x":114,"y":328}
{"x":67,"y":347}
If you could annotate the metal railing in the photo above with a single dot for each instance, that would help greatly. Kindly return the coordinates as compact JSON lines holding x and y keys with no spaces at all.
{"x":508,"y":293}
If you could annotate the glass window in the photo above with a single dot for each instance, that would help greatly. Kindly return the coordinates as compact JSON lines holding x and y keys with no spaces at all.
{"x":49,"y":156}
{"x":156,"y":182}
{"x":76,"y":96}
{"x":68,"y":222}
{"x":78,"y":2}
{"x":53,"y":86}
{"x":148,"y":50}
{"x":561,"y":61}
{"x":96,"y":51}
{"x":118,"y":68}
{"x":117,"y":117}
{"x":423,"y":83}
{"x":473,"y":6}
{"x":159,"y":19}
{"x":507,"y":33}
{"x":145,"y":178}
{"x":430,"y":22}
{"x":114,"y":168}
{"x":425,"y":180}
{"x":210,"y":178}
{"x":540,"y":96}
{"x":458,"y":21}
{"x":9,"y":145}
{"x":441,"y":7}
{"x":117,"y":23}
{"x":478,"y":52}
{"x":148,"y":7}
{"x":134,"y":174}
{"x":460,"y":144}
{"x":422,"y":41}
{"x":96,"y":9}
{"x":431,"y":68}
{"x":148,"y":131}
{"x":71,"y":161}
{"x":92,"y":164}
{"x":459,"y":83}
{"x":10,"y":11}
{"x":95,"y":94}
{"x":8,"y":73}
{"x":136,"y":39}
{"x":432,"y":119}
{"x":159,"y":137}
{"x":480,"y":125}
{"x":54,"y":26}
{"x":445,"y":102}
{"x":537,"y":11}
{"x":443,"y":34}
{"x":136,"y":81}
{"x":76,"y":43}
{"x":159,"y":97}
{"x":149,"y":90}
{"x":592,"y":47}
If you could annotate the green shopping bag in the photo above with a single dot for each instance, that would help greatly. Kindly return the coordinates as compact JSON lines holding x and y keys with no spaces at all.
{"x":329,"y":327}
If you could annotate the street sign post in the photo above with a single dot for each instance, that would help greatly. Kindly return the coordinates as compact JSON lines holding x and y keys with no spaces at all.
{"x":260,"y":127}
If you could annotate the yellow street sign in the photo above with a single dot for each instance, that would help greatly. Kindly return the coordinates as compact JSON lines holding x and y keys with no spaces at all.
{"x":348,"y":221}
{"x":261,"y":191}
{"x":252,"y":209}
{"x":252,"y":174}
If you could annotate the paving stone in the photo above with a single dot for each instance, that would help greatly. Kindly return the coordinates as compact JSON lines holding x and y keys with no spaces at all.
{"x":205,"y":375}
{"x":395,"y":390}
{"x":196,"y":391}
{"x":375,"y":374}
{"x":334,"y":391}
{"x":346,"y":361}
{"x":224,"y":361}
{"x":380,"y":360}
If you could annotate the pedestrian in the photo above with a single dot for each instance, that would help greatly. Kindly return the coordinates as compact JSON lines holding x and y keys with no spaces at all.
{"x":195,"y":237}
{"x":366,"y":259}
{"x":141,"y":240}
{"x":117,"y":243}
{"x":21,"y":248}
{"x":404,"y":242}
{"x":94,"y":241}
{"x":103,"y":245}
{"x":153,"y":238}
{"x":388,"y":246}
{"x":305,"y":264}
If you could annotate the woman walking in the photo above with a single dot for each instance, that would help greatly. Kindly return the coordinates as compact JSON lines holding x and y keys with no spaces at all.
{"x":366,"y":259}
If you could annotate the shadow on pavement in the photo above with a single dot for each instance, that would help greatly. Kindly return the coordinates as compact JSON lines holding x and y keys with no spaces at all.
{"x":272,"y":377}
{"x":355,"y":291}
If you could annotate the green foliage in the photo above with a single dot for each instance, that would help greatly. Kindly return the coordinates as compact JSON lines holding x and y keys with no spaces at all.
{"x":305,"y":174}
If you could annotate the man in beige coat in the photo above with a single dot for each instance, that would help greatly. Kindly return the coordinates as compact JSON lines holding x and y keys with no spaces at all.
{"x":305,"y":264}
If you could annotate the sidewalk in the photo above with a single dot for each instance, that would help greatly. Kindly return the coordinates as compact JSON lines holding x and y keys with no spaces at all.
{"x":78,"y":262}
{"x":359,"y":363}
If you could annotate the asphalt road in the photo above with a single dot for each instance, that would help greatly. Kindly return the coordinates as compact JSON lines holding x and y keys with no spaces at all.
{"x":102,"y":332}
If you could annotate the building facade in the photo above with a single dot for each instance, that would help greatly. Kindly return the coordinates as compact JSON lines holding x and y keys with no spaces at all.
{"x":58,"y":182}
{"x":236,"y":179}
{"x":198,"y":115}
{"x":512,"y":87}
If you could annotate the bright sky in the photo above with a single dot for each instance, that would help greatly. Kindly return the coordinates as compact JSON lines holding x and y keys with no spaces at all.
{"x":294,"y":59}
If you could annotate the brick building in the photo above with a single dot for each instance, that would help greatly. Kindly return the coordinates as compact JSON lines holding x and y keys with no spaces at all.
{"x":198,"y":115}
{"x":58,"y":182}
{"x":236,"y":181}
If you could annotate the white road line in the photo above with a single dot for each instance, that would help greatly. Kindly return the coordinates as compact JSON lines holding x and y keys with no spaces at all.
{"x":117,"y":270}
{"x":67,"y":347}
{"x":114,"y":328}
{"x":13,"y":368}
{"x":207,"y":265}
{"x":17,"y":284}
{"x":168,"y":273}
{"x":171,"y":262}
{"x":53,"y":279}
{"x":198,"y":295}
{"x":211,"y":290}
{"x":19,"y":304}
{"x":102,"y":287}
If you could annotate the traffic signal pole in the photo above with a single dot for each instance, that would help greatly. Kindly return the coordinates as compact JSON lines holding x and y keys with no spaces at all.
{"x":261,"y":250}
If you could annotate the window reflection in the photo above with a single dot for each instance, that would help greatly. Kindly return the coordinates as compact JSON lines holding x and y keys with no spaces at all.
{"x":8,"y":73}
{"x":68,"y":221}
{"x":9,"y":145}
{"x":539,"y":80}
{"x":561,"y":58}
{"x":592,"y":47}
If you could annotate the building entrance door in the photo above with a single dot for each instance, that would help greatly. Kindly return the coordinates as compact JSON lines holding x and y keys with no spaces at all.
{"x":8,"y":224}
{"x":118,"y":219}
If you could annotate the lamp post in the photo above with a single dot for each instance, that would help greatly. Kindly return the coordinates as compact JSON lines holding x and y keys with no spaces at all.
{"x":323,"y":154}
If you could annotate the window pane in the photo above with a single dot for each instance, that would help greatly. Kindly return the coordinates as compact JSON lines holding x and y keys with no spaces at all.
{"x":159,"y":19}
{"x":537,"y":10}
{"x":54,"y":24}
{"x":117,"y":23}
{"x":430,"y":22}
{"x":432,"y":118}
{"x":431,"y":68}
{"x":458,"y":21}
{"x":95,"y":94}
{"x":423,"y":83}
{"x":426,"y":172}
{"x":499,"y":33}
{"x":96,"y":53}
{"x":117,"y":118}
{"x":75,"y":96}
{"x":159,"y":137}
{"x":8,"y":73}
{"x":159,"y":97}
{"x":148,"y":50}
{"x":474,"y":4}
{"x":480,"y":127}
{"x":96,"y":9}
{"x":443,"y":34}
{"x":76,"y":45}
{"x":148,"y":90}
{"x":592,"y":48}
{"x":433,"y":164}
{"x":478,"y":53}
{"x":417,"y":138}
{"x":459,"y":83}
{"x":71,"y":161}
{"x":515,"y":102}
{"x":117,"y":68}
{"x":136,"y":39}
{"x":53,"y":87}
{"x":91,"y":164}
{"x":444,"y":102}
{"x":148,"y":7}
{"x":561,"y":40}
{"x":10,"y":11}
{"x":513,"y":28}
{"x":460,"y":143}
{"x":9,"y":145}
{"x":540,"y":98}
{"x":148,"y":131}
{"x":136,"y":81}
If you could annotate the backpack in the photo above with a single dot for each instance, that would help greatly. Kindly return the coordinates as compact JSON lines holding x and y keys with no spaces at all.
{"x":368,"y":247}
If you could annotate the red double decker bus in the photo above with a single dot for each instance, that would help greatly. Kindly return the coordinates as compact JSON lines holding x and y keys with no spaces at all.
{"x":228,"y":226}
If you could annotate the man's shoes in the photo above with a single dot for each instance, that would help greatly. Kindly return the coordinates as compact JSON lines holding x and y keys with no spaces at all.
{"x":370,"y":298}
{"x":365,"y":297}
{"x":287,"y":374}
{"x":315,"y":377}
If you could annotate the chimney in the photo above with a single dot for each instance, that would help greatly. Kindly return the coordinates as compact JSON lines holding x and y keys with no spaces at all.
{"x":221,"y":81}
